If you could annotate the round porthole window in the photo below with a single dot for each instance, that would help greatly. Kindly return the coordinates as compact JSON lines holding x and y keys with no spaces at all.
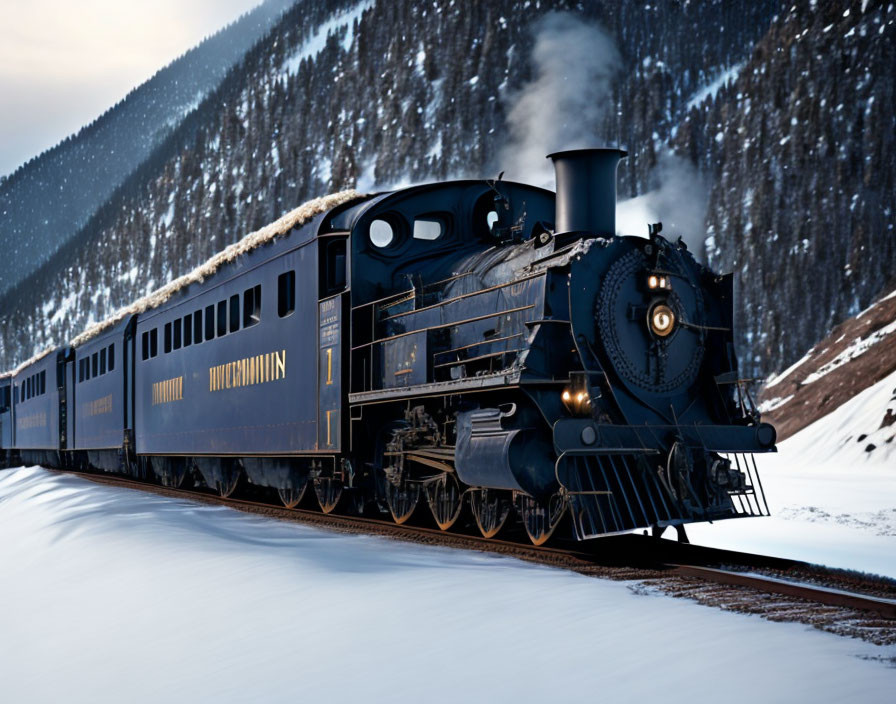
{"x":382,"y":234}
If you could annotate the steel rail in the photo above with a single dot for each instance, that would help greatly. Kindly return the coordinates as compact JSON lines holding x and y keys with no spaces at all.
{"x":810,"y":592}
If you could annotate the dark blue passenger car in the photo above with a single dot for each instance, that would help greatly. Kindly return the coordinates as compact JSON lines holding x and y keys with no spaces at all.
{"x":227,"y":370}
{"x":36,"y":410}
{"x":99,"y":375}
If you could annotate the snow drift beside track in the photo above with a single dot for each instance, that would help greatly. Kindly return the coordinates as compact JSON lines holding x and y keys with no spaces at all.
{"x":832,"y":500}
{"x":109,"y":595}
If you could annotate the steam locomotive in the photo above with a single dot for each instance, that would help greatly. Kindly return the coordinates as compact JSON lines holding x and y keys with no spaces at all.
{"x":475,"y":344}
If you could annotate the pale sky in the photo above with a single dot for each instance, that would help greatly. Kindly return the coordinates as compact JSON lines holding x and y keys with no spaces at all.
{"x":64,"y":62}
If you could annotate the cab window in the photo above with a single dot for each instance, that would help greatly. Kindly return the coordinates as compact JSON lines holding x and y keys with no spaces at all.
{"x":428,"y":228}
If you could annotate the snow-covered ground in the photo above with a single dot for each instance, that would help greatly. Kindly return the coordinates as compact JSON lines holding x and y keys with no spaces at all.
{"x":832,"y":502}
{"x":110,"y":595}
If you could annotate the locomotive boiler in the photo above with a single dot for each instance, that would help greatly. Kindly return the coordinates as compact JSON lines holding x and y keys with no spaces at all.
{"x":488,"y":347}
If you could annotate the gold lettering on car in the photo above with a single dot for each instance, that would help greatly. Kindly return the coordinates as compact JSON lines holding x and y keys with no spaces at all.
{"x":35,"y":420}
{"x":97,"y":407}
{"x":248,"y":371}
{"x":168,"y":391}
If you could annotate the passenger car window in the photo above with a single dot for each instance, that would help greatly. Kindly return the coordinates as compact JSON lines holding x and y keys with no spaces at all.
{"x":252,"y":306}
{"x":197,"y":326}
{"x":222,"y":318}
{"x":286,"y":293}
{"x":111,"y":357}
{"x":209,"y":322}
{"x":234,"y":313}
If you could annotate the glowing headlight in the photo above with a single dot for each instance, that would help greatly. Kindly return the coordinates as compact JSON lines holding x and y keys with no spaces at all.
{"x":662,"y":320}
{"x":654,"y":281}
{"x":578,"y":402}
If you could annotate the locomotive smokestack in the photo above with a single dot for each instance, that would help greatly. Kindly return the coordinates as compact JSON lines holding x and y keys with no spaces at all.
{"x":586,"y":190}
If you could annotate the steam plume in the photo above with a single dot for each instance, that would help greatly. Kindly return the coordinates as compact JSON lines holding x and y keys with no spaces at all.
{"x":574,"y":63}
{"x":679,"y":201}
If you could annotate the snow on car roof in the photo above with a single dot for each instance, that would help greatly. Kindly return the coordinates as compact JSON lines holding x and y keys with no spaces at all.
{"x":36,"y":358}
{"x":299,"y":216}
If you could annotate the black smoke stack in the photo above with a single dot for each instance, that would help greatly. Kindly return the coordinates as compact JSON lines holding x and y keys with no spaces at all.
{"x":586,"y":190}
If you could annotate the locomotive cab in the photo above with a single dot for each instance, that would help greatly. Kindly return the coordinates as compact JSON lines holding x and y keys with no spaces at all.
{"x":419,"y":236}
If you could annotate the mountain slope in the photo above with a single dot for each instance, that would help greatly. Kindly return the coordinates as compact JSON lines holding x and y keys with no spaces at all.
{"x":831,"y":500}
{"x":802,"y":152}
{"x":47,"y":200}
{"x":306,"y":113}
{"x":786,"y":111}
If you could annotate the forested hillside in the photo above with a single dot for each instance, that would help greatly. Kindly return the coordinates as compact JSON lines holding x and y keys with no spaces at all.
{"x":801,"y":152}
{"x":785,"y":113}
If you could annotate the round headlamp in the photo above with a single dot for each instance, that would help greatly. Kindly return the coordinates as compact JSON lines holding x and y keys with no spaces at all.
{"x":662,"y":320}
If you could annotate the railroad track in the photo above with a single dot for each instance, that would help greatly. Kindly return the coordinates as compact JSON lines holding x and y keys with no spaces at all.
{"x":842,"y":602}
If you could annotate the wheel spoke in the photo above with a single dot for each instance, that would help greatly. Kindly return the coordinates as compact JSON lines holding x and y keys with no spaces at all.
{"x":446,"y":499}
{"x":231,"y":471}
{"x":292,"y":495}
{"x":227,"y":485}
{"x":490,"y":509}
{"x":328,"y":491}
{"x":171,"y":471}
{"x":402,"y":499}
{"x":541,"y":517}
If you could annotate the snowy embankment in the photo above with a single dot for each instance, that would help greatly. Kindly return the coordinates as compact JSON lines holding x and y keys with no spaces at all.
{"x":858,"y":353}
{"x":114,"y":595}
{"x":832,"y":500}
